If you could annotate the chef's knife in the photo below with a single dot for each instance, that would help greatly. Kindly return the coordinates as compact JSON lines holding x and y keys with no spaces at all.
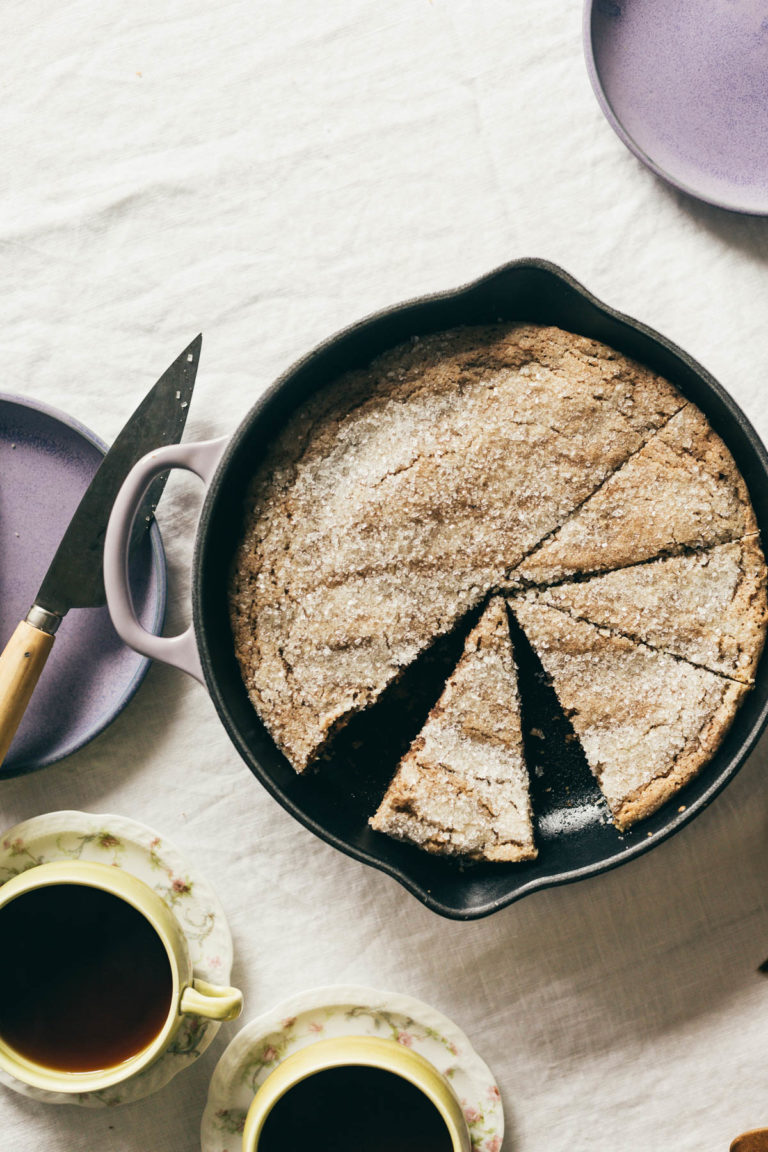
{"x":75,"y":578}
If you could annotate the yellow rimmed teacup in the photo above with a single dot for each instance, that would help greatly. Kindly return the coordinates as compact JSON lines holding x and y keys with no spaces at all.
{"x":187,"y":995}
{"x":360,"y":1051}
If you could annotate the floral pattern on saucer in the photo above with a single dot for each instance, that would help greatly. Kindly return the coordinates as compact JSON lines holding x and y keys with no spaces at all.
{"x":124,"y":843}
{"x":348,"y":1011}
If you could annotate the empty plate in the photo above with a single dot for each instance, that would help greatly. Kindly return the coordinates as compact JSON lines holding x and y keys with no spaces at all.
{"x":47,"y":461}
{"x":685,"y":86}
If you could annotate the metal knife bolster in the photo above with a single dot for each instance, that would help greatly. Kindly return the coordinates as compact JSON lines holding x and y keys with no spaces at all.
{"x":43,"y":620}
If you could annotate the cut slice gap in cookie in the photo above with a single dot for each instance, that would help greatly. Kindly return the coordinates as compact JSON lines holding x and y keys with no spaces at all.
{"x":707,"y":607}
{"x":462,"y":788}
{"x":681,"y":490}
{"x":356,"y":767}
{"x":568,"y":807}
{"x":647,"y":721}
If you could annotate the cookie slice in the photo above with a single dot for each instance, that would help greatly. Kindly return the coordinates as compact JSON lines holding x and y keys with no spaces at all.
{"x":681,"y":490}
{"x":646,"y":720}
{"x":462,"y":788}
{"x":708,"y":607}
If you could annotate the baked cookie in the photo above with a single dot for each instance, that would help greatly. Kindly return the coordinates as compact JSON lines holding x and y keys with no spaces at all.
{"x":398,"y":497}
{"x":681,"y":490}
{"x":462,"y":788}
{"x":647,"y":721}
{"x":708,"y":607}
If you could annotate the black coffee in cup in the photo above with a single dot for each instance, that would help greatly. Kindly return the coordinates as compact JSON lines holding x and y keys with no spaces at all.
{"x":354,"y":1108}
{"x":85,"y":980}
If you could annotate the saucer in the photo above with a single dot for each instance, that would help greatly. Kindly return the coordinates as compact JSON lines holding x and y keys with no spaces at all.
{"x":342,"y":1010}
{"x":124,"y":843}
{"x":47,"y":460}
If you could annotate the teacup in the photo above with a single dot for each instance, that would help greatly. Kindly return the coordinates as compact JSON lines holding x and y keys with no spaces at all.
{"x":95,"y":977}
{"x":443,"y":1126}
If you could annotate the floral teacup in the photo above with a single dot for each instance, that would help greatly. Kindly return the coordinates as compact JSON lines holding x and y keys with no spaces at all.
{"x":78,"y":1039}
{"x":357,"y":1052}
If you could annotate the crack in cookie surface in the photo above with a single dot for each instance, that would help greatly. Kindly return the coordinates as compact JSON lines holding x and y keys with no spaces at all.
{"x":682,"y":490}
{"x":647,"y":721}
{"x":707,"y":607}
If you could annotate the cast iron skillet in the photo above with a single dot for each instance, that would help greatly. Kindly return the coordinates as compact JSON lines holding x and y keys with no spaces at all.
{"x":574,"y":836}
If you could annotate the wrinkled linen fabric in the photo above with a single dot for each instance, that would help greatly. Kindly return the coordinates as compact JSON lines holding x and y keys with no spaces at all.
{"x":268,"y":173}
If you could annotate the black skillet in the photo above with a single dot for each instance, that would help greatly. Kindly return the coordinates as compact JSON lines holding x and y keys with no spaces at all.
{"x":574,"y":836}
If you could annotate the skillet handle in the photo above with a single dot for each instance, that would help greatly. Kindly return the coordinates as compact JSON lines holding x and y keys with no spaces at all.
{"x":179,"y":651}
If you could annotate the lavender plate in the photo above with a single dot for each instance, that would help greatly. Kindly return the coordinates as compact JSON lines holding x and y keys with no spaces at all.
{"x":47,"y":460}
{"x":685,"y":85}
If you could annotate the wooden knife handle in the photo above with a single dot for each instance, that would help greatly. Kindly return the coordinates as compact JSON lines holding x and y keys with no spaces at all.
{"x":21,"y":663}
{"x":754,"y":1141}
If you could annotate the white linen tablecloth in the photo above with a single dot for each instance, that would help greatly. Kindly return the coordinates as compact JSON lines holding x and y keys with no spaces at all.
{"x":267,"y":172}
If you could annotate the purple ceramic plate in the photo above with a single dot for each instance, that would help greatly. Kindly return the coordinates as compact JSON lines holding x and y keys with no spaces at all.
{"x":684,"y":83}
{"x":46,"y":463}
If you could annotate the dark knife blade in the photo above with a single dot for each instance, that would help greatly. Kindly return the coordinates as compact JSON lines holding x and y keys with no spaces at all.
{"x":75,"y":578}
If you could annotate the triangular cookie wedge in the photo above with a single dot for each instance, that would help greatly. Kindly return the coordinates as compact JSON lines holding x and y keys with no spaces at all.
{"x":462,"y":788}
{"x":681,"y":490}
{"x":646,"y":720}
{"x":708,"y":607}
